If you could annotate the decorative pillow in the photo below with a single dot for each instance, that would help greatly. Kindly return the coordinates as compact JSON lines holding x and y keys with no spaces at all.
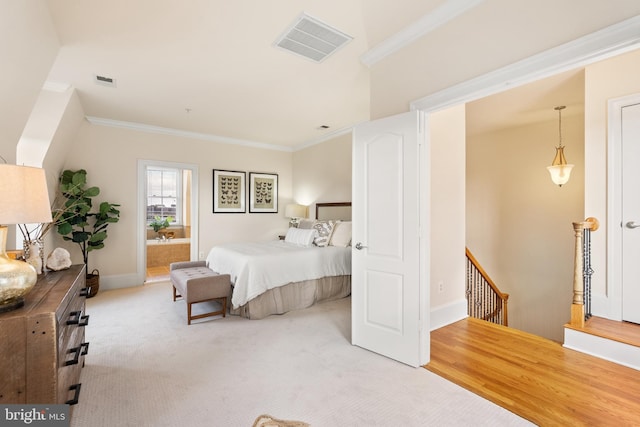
{"x":324,"y":230}
{"x":341,"y":234}
{"x":300,"y":237}
{"x":306,"y":224}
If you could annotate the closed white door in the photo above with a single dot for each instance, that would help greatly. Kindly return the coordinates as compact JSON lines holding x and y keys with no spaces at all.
{"x":386,"y":286}
{"x":631,"y":213}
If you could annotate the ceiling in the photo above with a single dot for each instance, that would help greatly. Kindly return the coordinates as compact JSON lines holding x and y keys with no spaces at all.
{"x":209,"y":66}
{"x":528,"y":104}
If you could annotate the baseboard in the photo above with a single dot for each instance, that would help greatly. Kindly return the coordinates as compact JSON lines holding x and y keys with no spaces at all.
{"x":119,"y":281}
{"x":613,"y":351}
{"x":449,"y":313}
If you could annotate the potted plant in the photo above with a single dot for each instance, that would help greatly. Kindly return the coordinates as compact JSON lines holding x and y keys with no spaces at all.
{"x":159,"y":223}
{"x":79,"y":224}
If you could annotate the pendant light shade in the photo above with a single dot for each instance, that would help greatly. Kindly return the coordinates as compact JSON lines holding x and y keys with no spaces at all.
{"x":559,"y":170}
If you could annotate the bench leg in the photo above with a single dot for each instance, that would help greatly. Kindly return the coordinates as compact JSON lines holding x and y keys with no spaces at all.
{"x":223,"y":300}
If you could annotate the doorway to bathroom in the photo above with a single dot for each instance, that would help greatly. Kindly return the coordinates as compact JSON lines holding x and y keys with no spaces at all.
{"x":167,"y":226}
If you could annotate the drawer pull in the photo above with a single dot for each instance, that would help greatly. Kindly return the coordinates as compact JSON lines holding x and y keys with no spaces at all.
{"x":84,"y":320}
{"x":76,"y":318}
{"x":76,"y":395}
{"x":84,"y":292}
{"x":81,"y":350}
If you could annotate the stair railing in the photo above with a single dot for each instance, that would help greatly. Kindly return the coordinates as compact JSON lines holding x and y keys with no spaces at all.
{"x":582,"y":271}
{"x":484,"y":299}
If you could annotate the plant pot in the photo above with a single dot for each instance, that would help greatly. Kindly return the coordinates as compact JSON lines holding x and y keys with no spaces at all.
{"x":93,"y":283}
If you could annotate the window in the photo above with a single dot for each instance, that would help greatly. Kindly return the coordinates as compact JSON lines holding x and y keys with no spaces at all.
{"x":164,"y":193}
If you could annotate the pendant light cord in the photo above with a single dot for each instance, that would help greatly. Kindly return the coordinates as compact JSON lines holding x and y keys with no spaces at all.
{"x":560,"y":108}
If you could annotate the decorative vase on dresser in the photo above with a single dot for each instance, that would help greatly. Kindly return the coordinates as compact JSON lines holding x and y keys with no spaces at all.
{"x":34,"y":254}
{"x":43,"y":342}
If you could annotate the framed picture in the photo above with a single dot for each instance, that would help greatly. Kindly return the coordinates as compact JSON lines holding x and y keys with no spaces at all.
{"x":263,"y":192}
{"x":229,"y":191}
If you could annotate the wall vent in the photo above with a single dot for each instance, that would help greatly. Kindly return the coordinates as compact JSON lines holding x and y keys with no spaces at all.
{"x":104,"y":81}
{"x":312,"y":38}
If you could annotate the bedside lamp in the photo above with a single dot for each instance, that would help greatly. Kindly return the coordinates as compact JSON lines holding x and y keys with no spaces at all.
{"x":25,"y":200}
{"x":295,"y":212}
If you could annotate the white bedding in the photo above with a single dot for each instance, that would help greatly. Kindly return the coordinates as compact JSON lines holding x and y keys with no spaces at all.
{"x":258,"y":267}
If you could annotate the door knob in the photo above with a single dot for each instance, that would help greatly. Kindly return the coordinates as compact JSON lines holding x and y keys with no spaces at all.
{"x":632,"y":224}
{"x":359,"y":246}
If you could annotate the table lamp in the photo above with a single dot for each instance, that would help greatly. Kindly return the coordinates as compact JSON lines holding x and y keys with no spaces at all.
{"x":24,"y":199}
{"x":295,"y":212}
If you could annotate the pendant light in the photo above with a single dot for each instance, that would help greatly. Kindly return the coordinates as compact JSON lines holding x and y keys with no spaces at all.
{"x":559,"y":170}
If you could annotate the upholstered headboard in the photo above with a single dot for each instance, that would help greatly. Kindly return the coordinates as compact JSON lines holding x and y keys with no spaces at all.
{"x":335,"y":210}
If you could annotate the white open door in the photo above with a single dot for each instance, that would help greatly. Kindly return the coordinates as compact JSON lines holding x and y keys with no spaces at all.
{"x":388,"y":293}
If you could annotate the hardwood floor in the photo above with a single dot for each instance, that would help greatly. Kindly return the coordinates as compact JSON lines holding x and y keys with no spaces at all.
{"x":535,"y":378}
{"x":157,"y":274}
{"x":624,"y":332}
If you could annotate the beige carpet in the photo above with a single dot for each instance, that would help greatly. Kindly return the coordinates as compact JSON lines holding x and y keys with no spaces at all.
{"x":146,"y":367}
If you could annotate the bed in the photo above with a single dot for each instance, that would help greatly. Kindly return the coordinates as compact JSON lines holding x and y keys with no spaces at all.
{"x":294,"y":273}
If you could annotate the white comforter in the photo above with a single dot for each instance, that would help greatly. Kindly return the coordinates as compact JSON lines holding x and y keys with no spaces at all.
{"x":257,"y":267}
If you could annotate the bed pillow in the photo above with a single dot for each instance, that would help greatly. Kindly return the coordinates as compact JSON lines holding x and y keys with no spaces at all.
{"x":324,"y":230}
{"x":300,"y":237}
{"x":306,"y":223}
{"x":341,"y":234}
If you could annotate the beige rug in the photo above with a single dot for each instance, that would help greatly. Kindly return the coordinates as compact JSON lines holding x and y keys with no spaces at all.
{"x":269,"y":421}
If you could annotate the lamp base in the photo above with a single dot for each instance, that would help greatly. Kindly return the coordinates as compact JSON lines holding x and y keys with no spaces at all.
{"x":12,"y":305}
{"x":16,"y":277}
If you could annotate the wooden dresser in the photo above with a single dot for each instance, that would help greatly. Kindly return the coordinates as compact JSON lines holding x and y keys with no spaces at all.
{"x":42,"y":345}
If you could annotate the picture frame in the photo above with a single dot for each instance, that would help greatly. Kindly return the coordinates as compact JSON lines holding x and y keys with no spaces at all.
{"x":263,"y":192}
{"x":229,"y":191}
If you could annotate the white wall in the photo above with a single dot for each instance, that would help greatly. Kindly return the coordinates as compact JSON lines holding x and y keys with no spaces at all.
{"x":492,"y":35}
{"x":322,"y":173}
{"x":447,"y":234}
{"x":29,"y":47}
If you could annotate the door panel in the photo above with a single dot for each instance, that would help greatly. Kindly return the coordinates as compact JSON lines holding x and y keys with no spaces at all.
{"x":631,"y":213}
{"x":383,"y":291}
{"x":386,"y":272}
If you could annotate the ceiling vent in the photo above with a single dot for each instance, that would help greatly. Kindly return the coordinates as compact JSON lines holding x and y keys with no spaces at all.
{"x":104,"y":80}
{"x":311,"y":38}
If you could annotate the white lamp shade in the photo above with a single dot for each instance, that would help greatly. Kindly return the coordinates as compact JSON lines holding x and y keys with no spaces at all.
{"x":24,"y":198}
{"x":560,"y":174}
{"x":295,"y":211}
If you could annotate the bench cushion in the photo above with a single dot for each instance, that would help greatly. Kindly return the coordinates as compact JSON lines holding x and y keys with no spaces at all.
{"x":200,"y":283}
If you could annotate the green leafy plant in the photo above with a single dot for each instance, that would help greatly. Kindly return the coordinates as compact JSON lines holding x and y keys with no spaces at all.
{"x":159,"y":223}
{"x":77,"y":222}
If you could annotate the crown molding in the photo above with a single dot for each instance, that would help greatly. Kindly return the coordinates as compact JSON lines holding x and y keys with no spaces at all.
{"x":184,"y":134}
{"x":326,"y":137}
{"x":605,"y":43}
{"x":429,"y":22}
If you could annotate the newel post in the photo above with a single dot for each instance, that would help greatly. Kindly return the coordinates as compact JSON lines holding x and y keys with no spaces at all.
{"x":577,"y":307}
